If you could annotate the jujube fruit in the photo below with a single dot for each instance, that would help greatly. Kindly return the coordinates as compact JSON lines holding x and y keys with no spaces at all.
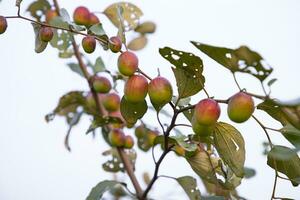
{"x":3,"y":24}
{"x":46,"y":34}
{"x":128,"y":144}
{"x":81,"y":16}
{"x":202,"y":130}
{"x":111,"y":102}
{"x":207,"y":112}
{"x":127,"y":63}
{"x":140,"y":131}
{"x":160,"y":91}
{"x":116,"y":138}
{"x":89,"y":44}
{"x":50,"y":14}
{"x":240,"y":107}
{"x":101,"y":84}
{"x":151,"y":136}
{"x":136,"y":88}
{"x":115,"y":44}
{"x":94,"y":19}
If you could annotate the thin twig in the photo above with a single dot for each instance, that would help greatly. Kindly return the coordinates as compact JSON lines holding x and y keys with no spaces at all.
{"x":264,"y":128}
{"x":236,"y":82}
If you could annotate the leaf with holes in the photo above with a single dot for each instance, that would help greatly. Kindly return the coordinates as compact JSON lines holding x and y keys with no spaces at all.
{"x":130,"y":14}
{"x":38,"y":9}
{"x":286,"y":161}
{"x":292,"y":135}
{"x":115,"y":164}
{"x":284,"y":112}
{"x":231,"y":147}
{"x":102,"y":187}
{"x":189,"y":185}
{"x":137,"y":43}
{"x":40,"y":46}
{"x":132,"y":111}
{"x":188,"y":71}
{"x":241,"y":59}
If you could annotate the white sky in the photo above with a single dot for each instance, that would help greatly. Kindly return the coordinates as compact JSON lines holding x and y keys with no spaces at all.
{"x":35,"y":165}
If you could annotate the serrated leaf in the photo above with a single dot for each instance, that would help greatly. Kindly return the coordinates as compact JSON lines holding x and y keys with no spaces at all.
{"x":38,"y":8}
{"x":133,"y":111}
{"x":137,"y":43}
{"x":130,"y":14}
{"x":188,"y":71}
{"x":272,"y":81}
{"x":230,"y":146}
{"x":99,"y":66}
{"x":286,"y":161}
{"x":292,"y":135}
{"x":189,"y":185}
{"x":102,"y":187}
{"x":40,"y":46}
{"x":75,"y":68}
{"x":146,"y":27}
{"x":241,"y":59}
{"x":97,"y":29}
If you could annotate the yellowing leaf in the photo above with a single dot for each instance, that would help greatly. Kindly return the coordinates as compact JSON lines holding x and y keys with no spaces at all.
{"x":137,"y":43}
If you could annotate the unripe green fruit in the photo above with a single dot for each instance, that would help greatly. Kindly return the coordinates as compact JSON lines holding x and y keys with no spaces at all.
{"x":140,"y":131}
{"x":101,"y":84}
{"x":94,"y":19}
{"x":81,"y":16}
{"x":115,"y":44}
{"x":3,"y":24}
{"x":116,"y":138}
{"x":46,"y":34}
{"x":151,"y":136}
{"x":50,"y":14}
{"x":202,"y":130}
{"x":89,"y":44}
{"x":128,"y":142}
{"x":160,"y":91}
{"x":240,"y":107}
{"x":207,"y":112}
{"x":111,"y":102}
{"x":136,"y":88}
{"x":127,"y":63}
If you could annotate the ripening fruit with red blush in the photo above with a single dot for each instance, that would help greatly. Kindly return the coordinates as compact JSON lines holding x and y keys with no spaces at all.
{"x":50,"y":14}
{"x":46,"y":34}
{"x":115,"y":44}
{"x":202,"y":130}
{"x":81,"y":16}
{"x":101,"y":84}
{"x":89,"y":44}
{"x":151,"y":136}
{"x":111,"y":102}
{"x":207,"y":112}
{"x":116,"y":138}
{"x":129,"y":142}
{"x":3,"y":24}
{"x":94,"y":19}
{"x":127,"y":63}
{"x":240,"y":107}
{"x":136,"y":88}
{"x":160,"y":91}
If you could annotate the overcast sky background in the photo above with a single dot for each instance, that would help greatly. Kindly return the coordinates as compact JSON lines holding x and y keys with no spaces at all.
{"x":34,"y":164}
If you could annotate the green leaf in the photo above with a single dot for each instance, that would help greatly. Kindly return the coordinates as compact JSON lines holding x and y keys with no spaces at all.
{"x":130,"y":14}
{"x":189,"y":184}
{"x":137,"y":43}
{"x":188,"y":71}
{"x":180,"y":139}
{"x":115,"y":164}
{"x":146,"y":27}
{"x":231,"y":147}
{"x":38,"y":9}
{"x":99,"y":66}
{"x":133,"y":111}
{"x":102,"y":187}
{"x":241,"y":59}
{"x":286,"y":161}
{"x":40,"y":46}
{"x":68,"y":53}
{"x":272,"y":81}
{"x":292,"y":135}
{"x":249,"y":172}
{"x":97,"y":29}
{"x":75,"y":68}
{"x":212,"y":198}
